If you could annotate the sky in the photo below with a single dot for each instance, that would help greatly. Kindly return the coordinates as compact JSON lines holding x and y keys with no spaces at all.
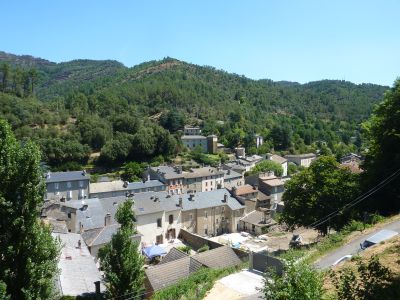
{"x":291,"y":40}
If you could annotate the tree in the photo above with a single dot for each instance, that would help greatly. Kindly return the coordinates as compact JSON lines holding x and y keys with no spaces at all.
{"x":370,"y":280}
{"x":117,"y":149}
{"x":298,"y":282}
{"x":5,"y":70}
{"x":132,"y":171}
{"x":120,"y":259}
{"x":268,"y":165}
{"x":382,"y":131}
{"x":318,"y":191}
{"x":173,"y":120}
{"x":28,"y":253}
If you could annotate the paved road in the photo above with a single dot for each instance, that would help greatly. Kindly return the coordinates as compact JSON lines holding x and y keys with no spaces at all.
{"x":351,"y":248}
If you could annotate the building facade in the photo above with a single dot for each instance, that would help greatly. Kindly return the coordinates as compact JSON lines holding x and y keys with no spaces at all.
{"x":67,"y":185}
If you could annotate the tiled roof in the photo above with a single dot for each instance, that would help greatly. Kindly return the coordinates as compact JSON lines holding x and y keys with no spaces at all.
{"x":257,"y":218}
{"x":173,"y":254}
{"x":273,"y":182}
{"x":220,"y":257}
{"x":164,"y":275}
{"x":66,"y":176}
{"x":208,"y":199}
{"x":245,"y":189}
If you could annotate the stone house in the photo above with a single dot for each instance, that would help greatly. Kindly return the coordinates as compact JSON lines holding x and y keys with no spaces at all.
{"x":67,"y":185}
{"x":303,"y":160}
{"x":203,"y":180}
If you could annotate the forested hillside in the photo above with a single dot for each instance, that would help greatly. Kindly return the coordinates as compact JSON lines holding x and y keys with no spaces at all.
{"x":75,"y":108}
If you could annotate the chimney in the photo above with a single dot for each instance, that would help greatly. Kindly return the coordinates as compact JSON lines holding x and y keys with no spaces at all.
{"x":48,"y":175}
{"x":180,"y":202}
{"x":234,"y":191}
{"x":229,"y":172}
{"x":107,"y":219}
{"x":255,"y":186}
{"x":191,"y":197}
{"x":84,"y":173}
{"x":125,"y":185}
{"x":148,"y":176}
{"x":97,"y":288}
{"x":225,"y":198}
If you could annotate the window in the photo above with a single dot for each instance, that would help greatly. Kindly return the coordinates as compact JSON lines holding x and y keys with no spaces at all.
{"x":205,"y":231}
{"x":171,"y":219}
{"x":216,"y":221}
{"x":206,"y":183}
{"x":223,"y":209}
{"x":205,"y":214}
{"x":190,"y":217}
{"x":69,"y":184}
{"x":56,"y":185}
{"x":159,"y":222}
{"x":81,"y":183}
{"x":69,"y":215}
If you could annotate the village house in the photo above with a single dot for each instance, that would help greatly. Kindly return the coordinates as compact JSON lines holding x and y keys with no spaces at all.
{"x":256,"y":222}
{"x":203,"y":180}
{"x":207,"y":144}
{"x":158,"y":215}
{"x":232,"y":179}
{"x":171,"y":177}
{"x":273,"y":187}
{"x":67,"y":185}
{"x":303,"y":160}
{"x":280,"y":160}
{"x":210,"y":213}
{"x":251,"y":197}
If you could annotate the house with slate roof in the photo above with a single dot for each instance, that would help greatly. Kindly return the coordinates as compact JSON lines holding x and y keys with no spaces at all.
{"x":67,"y":185}
{"x":210,"y":213}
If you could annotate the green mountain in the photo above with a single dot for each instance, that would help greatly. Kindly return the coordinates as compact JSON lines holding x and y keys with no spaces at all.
{"x":291,"y":116}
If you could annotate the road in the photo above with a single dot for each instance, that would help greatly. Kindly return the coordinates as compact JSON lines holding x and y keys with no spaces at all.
{"x":352,"y":247}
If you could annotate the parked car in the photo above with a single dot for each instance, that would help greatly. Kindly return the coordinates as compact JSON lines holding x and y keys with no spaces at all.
{"x":378,"y":237}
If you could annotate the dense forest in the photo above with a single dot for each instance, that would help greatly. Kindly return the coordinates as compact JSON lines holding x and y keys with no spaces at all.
{"x":83,"y":107}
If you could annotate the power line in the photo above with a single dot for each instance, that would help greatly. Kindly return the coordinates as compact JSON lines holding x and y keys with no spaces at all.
{"x":356,"y":201}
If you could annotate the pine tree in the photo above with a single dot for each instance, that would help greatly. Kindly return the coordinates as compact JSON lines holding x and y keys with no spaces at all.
{"x":120,"y":259}
{"x":28,"y":253}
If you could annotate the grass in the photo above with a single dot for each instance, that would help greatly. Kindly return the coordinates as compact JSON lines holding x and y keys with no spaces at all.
{"x":196,"y":285}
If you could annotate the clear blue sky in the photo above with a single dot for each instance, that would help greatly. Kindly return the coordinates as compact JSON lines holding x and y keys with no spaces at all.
{"x":293,"y":40}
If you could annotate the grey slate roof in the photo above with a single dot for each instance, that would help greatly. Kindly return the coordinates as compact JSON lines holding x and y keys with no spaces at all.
{"x":220,"y":257}
{"x":66,"y":176}
{"x":257,"y":218}
{"x":203,"y":172}
{"x":167,"y":172}
{"x":208,"y":199}
{"x":164,"y":275}
{"x":173,"y":254}
{"x":89,"y":212}
{"x":278,"y":159}
{"x":305,"y":155}
{"x":144,"y":185}
{"x":145,"y":203}
{"x":100,"y":236}
{"x":232,"y":175}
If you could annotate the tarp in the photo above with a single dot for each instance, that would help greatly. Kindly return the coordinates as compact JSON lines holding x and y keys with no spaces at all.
{"x":154,"y":251}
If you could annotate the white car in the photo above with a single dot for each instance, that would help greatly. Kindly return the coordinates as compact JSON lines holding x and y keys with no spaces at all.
{"x":342,"y":259}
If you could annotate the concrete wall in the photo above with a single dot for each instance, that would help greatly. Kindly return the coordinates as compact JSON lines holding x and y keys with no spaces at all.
{"x":261,"y":262}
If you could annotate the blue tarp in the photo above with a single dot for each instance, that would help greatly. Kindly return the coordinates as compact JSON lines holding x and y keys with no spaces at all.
{"x":154,"y":251}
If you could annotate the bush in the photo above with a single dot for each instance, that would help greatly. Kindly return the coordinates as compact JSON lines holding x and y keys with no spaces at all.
{"x":185,"y":249}
{"x":203,"y":248}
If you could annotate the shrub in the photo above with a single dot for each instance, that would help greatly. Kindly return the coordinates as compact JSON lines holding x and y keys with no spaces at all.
{"x":203,"y":248}
{"x":185,"y":249}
